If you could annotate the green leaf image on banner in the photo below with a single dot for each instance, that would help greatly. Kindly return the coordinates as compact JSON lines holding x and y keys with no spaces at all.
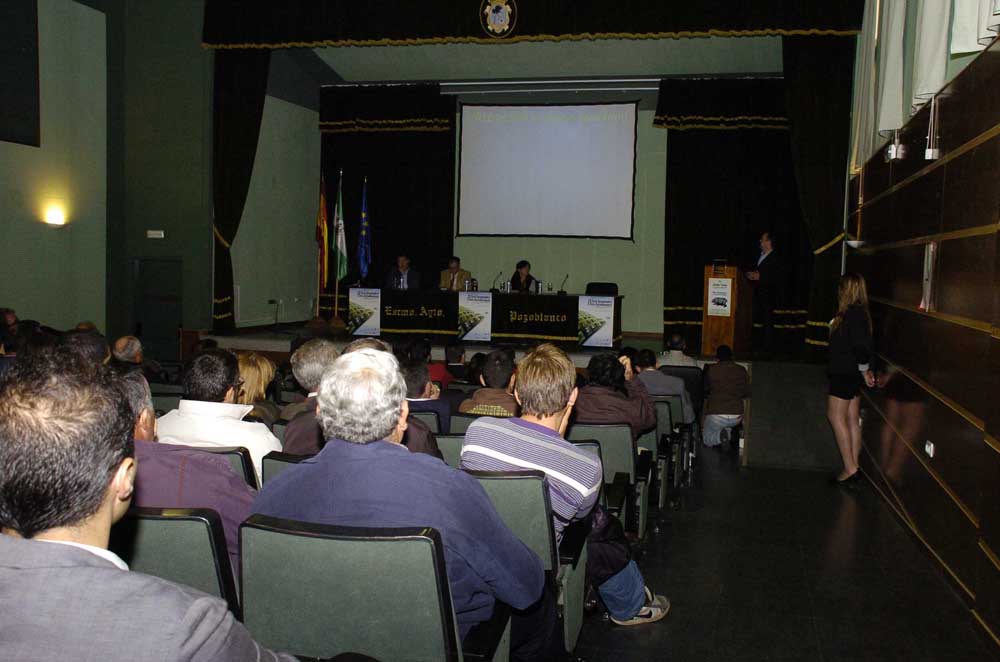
{"x":467,"y":320}
{"x":356,"y":316}
{"x":589,"y":325}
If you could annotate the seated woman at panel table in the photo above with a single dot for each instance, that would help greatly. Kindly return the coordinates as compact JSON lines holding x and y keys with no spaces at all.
{"x":522,"y":280}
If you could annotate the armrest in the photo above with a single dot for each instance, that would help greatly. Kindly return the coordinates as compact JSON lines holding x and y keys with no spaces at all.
{"x":573,"y":540}
{"x":643,"y":463}
{"x":482,"y":641}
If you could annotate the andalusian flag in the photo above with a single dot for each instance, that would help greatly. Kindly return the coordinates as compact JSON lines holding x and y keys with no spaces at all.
{"x":322,"y":237}
{"x":340,"y":245}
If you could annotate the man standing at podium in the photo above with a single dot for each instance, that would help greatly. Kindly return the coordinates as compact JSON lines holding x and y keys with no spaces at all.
{"x":766,"y":279}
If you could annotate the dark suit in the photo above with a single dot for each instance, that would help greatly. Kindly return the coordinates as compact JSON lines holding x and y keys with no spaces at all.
{"x":303,"y":435}
{"x":441,"y":407}
{"x":766,"y":296}
{"x":59,"y":602}
{"x":516,"y":286}
{"x":412,"y":280}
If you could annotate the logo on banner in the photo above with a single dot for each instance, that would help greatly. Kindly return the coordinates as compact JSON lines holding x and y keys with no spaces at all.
{"x":364,"y":316}
{"x":498,"y":17}
{"x":596,"y":315}
{"x":475,"y":316}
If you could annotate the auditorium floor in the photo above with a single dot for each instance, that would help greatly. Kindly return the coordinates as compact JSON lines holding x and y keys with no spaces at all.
{"x":775,"y":564}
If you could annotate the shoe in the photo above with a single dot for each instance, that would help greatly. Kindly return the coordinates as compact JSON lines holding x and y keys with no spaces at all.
{"x":854,"y":477}
{"x":655,"y":609}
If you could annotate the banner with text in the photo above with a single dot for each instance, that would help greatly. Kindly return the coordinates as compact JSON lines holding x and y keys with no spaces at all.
{"x":365,"y":311}
{"x":475,"y":316}
{"x":596,"y":325}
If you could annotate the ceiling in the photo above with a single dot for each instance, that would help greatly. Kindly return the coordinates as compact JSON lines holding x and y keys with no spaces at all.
{"x":539,"y":60}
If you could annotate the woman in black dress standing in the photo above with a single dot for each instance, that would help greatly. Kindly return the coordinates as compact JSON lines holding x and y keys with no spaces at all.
{"x":522,"y":280}
{"x":850,"y":353}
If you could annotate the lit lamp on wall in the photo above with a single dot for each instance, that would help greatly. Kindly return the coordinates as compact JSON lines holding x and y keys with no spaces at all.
{"x":55,"y":213}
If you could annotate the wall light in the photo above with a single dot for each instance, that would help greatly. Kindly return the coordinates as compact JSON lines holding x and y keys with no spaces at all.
{"x":55,"y":214}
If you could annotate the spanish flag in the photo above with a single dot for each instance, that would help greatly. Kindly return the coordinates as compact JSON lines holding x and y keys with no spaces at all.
{"x":323,"y":237}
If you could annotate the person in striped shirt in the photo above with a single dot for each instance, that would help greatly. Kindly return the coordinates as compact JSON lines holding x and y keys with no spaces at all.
{"x":545,"y":388}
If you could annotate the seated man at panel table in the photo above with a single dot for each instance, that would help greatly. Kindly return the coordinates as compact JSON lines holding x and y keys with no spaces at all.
{"x":495,"y":398}
{"x":402,"y":277}
{"x":545,"y":389}
{"x":67,"y":474}
{"x":206,"y":415}
{"x":453,"y":278}
{"x":304,"y":436}
{"x":675,"y":354}
{"x":726,"y":385}
{"x":658,"y":383}
{"x":170,"y":476}
{"x":362,"y":477}
{"x":612,"y":394}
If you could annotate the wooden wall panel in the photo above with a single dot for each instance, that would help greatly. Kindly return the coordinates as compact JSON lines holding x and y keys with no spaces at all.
{"x":895,"y":274}
{"x":963,"y":275}
{"x":989,"y":522}
{"x":988,"y":591}
{"x":971,"y":195}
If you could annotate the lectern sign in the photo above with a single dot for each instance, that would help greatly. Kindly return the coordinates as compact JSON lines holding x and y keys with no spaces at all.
{"x":475,"y":316}
{"x":720,"y":297}
{"x":596,"y":323}
{"x":365,"y":312}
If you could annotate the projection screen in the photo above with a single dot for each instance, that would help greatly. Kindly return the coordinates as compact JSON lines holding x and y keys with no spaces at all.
{"x":547,"y":170}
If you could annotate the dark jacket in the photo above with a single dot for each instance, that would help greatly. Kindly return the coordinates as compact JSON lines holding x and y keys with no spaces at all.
{"x":515,"y":283}
{"x":172,"y":476}
{"x":600,"y":404}
{"x":412,"y":279}
{"x":726,"y":384}
{"x":380,"y":484}
{"x":303,"y":435}
{"x":489,"y":397}
{"x":438,"y":406}
{"x":768,"y":290}
{"x":851,"y":344}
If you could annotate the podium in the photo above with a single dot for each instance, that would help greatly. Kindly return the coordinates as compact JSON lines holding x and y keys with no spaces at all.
{"x":727,"y":311}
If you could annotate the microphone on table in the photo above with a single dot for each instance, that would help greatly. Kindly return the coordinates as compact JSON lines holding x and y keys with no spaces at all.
{"x":561,"y":291}
{"x":493,"y":288}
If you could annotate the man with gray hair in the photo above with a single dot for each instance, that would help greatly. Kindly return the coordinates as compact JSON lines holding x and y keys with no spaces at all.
{"x":309,"y":362}
{"x":172,"y":476}
{"x":363,"y":477}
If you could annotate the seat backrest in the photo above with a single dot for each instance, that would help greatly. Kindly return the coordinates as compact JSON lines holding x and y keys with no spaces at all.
{"x":183,"y":545}
{"x":379,"y":592}
{"x":428,"y":418}
{"x":464,"y":387}
{"x":617,"y":447}
{"x":461,"y":422}
{"x":521,"y":498}
{"x":450,"y":446}
{"x":279,"y":429}
{"x":602,"y":289}
{"x":591,"y":447}
{"x":664,"y":405}
{"x":240,"y":460}
{"x":275,"y":462}
{"x":163,"y":403}
{"x":692,"y":377}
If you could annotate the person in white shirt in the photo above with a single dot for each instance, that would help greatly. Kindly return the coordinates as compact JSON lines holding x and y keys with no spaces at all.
{"x":675,"y":355}
{"x":207,"y":417}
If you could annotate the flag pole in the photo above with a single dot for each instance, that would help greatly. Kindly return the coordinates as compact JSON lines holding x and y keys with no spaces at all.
{"x":336,"y":322}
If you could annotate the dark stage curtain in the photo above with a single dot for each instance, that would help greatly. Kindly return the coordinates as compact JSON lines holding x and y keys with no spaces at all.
{"x":725,"y":187}
{"x":305,"y":23}
{"x":402,"y":139}
{"x":239,"y":89}
{"x":20,"y":114}
{"x":721,"y":103}
{"x":818,"y":74}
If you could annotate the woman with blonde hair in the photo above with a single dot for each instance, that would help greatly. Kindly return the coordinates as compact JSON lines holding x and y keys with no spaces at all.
{"x":256,"y":373}
{"x":850,"y":353}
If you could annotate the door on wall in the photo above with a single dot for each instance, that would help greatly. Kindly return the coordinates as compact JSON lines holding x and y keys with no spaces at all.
{"x":158,"y":306}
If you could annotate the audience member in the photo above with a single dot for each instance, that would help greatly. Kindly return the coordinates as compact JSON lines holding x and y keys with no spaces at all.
{"x":632,"y":354}
{"x":363,"y":478}
{"x":495,"y":398}
{"x":257,"y":373}
{"x":726,"y":384}
{"x":545,"y":389}
{"x":474,"y":370}
{"x":207,"y":415}
{"x":88,"y":345}
{"x":402,"y":277}
{"x":67,"y":473}
{"x":422,"y":395}
{"x":658,"y":383}
{"x":8,"y":323}
{"x":304,"y":436}
{"x":127,"y":351}
{"x":171,"y":476}
{"x":87,"y":326}
{"x":309,"y":362}
{"x":454,"y":355}
{"x":453,"y":278}
{"x":205,"y":344}
{"x":675,"y":354}
{"x":612,"y":395}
